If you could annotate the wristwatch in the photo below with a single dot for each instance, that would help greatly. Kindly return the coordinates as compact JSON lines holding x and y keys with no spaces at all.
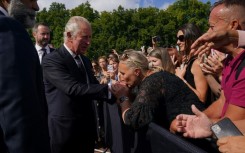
{"x":123,"y":98}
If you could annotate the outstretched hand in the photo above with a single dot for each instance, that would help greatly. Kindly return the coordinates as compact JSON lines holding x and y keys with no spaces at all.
{"x":219,"y":40}
{"x":194,"y":126}
{"x":119,"y":89}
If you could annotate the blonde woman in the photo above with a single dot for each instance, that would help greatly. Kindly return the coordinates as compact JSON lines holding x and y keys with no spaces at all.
{"x":159,"y":98}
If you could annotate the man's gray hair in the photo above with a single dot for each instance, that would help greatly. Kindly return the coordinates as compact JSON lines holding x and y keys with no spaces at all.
{"x":73,"y":25}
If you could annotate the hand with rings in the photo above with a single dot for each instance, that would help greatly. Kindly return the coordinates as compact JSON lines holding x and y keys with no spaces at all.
{"x":212,"y":66}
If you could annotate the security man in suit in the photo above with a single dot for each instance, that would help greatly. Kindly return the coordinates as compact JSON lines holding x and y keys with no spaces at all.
{"x":23,"y":109}
{"x":70,"y":90}
{"x":41,"y":33}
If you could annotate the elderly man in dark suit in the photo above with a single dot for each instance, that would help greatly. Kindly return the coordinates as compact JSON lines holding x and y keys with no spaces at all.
{"x":70,"y":87}
{"x":23,"y":109}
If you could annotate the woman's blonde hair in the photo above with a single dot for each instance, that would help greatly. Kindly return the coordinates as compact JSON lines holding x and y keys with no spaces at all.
{"x":135,"y":59}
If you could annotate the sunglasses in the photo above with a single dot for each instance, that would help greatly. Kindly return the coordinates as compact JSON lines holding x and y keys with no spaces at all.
{"x":181,"y":38}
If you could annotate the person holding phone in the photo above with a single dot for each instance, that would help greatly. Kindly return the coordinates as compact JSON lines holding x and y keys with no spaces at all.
{"x":231,"y":101}
{"x":155,"y":41}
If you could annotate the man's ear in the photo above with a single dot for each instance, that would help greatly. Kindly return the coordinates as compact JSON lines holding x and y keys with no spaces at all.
{"x":34,"y":34}
{"x":68,"y":35}
{"x":235,"y":25}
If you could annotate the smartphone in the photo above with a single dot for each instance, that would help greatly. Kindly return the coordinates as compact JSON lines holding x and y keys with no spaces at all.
{"x":224,"y":128}
{"x":156,"y":38}
{"x":110,"y":68}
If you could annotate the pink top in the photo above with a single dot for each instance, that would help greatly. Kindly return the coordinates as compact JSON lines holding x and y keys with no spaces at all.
{"x":234,"y":90}
{"x":241,"y":38}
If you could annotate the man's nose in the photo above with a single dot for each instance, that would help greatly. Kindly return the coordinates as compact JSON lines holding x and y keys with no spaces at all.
{"x":35,"y":6}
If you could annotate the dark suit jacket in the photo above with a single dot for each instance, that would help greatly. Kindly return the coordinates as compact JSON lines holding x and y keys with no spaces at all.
{"x":23,"y":109}
{"x":1,"y":13}
{"x":69,"y":100}
{"x":51,"y":49}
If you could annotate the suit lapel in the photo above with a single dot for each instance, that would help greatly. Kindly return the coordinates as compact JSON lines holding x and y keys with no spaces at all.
{"x":88,"y":68}
{"x":71,"y":64}
{"x":1,"y":13}
{"x":51,"y":49}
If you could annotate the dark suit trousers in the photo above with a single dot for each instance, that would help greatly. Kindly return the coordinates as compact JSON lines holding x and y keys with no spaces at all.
{"x":71,"y":135}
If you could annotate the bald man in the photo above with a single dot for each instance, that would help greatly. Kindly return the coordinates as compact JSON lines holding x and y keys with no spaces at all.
{"x":225,"y":15}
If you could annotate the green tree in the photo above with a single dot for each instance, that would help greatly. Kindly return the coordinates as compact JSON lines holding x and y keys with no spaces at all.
{"x":127,"y":28}
{"x":190,"y":11}
{"x":56,"y":17}
{"x":86,"y":11}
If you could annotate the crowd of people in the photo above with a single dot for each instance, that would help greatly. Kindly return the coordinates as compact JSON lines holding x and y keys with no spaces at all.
{"x":59,"y":101}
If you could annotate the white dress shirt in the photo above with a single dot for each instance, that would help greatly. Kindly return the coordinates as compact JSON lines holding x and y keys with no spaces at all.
{"x":4,"y":11}
{"x":40,"y":51}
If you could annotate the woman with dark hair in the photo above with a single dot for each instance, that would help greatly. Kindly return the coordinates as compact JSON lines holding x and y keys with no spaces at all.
{"x":190,"y":71}
{"x":159,"y":58}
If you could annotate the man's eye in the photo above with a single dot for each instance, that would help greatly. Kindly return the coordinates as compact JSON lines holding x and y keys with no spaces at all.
{"x":211,"y":27}
{"x":86,"y":37}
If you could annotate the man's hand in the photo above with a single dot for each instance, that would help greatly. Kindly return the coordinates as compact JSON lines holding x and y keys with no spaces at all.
{"x":119,"y":89}
{"x":219,"y":40}
{"x":194,"y":126}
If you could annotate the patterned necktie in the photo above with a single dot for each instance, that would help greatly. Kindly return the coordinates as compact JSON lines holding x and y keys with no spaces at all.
{"x":44,"y":51}
{"x":81,"y":66}
{"x":79,"y":62}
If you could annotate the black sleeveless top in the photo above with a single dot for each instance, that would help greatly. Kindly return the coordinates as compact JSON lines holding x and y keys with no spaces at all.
{"x":189,"y":77}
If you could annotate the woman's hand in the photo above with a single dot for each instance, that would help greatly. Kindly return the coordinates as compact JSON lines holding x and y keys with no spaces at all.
{"x":180,"y":71}
{"x":174,"y":60}
{"x":213,"y":65}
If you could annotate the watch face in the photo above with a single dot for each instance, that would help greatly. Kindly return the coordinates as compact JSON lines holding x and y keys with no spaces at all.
{"x":123,"y":98}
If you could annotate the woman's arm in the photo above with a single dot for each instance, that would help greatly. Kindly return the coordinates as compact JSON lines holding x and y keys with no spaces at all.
{"x":213,"y":84}
{"x":200,"y":81}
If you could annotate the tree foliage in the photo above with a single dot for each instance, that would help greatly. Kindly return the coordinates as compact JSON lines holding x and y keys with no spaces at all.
{"x":127,"y":28}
